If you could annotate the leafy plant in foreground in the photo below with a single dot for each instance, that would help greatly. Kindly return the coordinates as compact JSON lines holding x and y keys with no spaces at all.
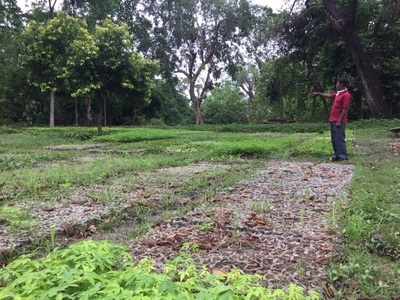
{"x":101,"y":270}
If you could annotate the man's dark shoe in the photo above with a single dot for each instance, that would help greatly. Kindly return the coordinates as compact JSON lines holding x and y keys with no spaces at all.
{"x":334,"y":158}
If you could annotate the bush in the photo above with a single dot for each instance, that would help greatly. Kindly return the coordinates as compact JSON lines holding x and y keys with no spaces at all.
{"x":138,"y":135}
{"x":225,"y":106}
{"x":101,"y":270}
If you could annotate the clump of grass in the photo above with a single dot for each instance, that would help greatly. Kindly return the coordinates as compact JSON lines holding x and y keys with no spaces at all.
{"x":107,"y":195}
{"x":207,"y":227}
{"x":253,"y":147}
{"x":16,"y":219}
{"x":261,"y":206}
{"x":35,"y":183}
{"x":271,"y":127}
{"x":8,"y":130}
{"x":138,"y":135}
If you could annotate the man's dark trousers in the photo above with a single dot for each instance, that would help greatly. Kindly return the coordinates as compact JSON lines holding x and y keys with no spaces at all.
{"x":338,"y":137}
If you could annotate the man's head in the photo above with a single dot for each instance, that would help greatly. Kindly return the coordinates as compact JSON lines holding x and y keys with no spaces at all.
{"x":341,"y":84}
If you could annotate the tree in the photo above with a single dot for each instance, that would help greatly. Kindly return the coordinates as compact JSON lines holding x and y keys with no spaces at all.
{"x":10,"y":27}
{"x":169,"y":105}
{"x":47,"y":6}
{"x":51,"y":52}
{"x":343,"y":21}
{"x":226,"y":105}
{"x":120,"y":71}
{"x":350,"y":30}
{"x":192,"y":39}
{"x":94,"y":12}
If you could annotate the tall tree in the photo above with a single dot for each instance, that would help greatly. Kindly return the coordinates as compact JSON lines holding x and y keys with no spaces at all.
{"x":192,"y":39}
{"x":120,"y":71}
{"x":343,"y":19}
{"x":49,"y":54}
{"x":10,"y":27}
{"x":94,"y":12}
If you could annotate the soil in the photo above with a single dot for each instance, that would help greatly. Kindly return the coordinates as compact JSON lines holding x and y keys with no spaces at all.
{"x":278,"y":225}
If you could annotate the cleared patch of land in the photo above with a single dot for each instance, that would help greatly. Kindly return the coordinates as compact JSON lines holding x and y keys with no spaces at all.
{"x":277,"y":225}
{"x":258,"y":198}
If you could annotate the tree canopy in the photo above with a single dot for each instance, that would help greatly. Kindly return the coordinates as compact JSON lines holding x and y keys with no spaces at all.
{"x":132,"y":61}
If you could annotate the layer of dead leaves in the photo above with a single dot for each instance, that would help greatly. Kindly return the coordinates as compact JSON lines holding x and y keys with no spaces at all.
{"x":395,"y":148}
{"x":291,"y":241}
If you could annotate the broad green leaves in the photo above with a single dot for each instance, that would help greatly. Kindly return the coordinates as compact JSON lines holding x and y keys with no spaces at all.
{"x":52,"y":51}
{"x":101,"y":270}
{"x":64,"y":56}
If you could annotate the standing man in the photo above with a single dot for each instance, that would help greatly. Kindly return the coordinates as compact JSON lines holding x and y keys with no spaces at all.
{"x":338,"y":118}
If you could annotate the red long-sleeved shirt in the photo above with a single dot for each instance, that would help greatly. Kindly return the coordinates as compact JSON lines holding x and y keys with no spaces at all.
{"x":341,"y":103}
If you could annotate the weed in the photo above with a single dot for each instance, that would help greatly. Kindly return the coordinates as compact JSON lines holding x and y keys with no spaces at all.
{"x":107,"y":195}
{"x":261,"y":206}
{"x":16,"y":219}
{"x":207,"y":227}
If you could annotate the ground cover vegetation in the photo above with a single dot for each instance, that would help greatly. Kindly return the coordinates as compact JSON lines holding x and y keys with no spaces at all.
{"x":64,"y":161}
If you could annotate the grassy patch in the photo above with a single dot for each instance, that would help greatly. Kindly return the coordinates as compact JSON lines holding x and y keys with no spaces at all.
{"x":138,"y":135}
{"x":34,"y":183}
{"x":16,"y":219}
{"x":371,"y":224}
{"x":253,"y":147}
{"x":272,"y":127}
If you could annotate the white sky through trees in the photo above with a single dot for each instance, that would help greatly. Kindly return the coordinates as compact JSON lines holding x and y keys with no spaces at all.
{"x":274,"y":4}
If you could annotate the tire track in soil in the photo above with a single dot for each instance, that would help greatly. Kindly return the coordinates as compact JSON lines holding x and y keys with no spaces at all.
{"x":277,"y":225}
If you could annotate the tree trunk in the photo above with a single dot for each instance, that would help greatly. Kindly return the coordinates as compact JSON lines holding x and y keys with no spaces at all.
{"x":99,"y":123}
{"x":196,"y":104}
{"x":99,"y":117}
{"x":343,"y":22}
{"x":199,"y":113}
{"x":369,"y":78}
{"x":76,"y":113}
{"x":52,"y":103}
{"x":105,"y":111}
{"x":89,"y":115}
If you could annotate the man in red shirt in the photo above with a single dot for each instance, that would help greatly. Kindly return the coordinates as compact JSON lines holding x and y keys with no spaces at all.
{"x":339,"y":118}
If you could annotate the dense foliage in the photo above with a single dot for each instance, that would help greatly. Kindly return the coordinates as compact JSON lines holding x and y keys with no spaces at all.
{"x":275,"y":59}
{"x":225,"y":105}
{"x":91,"y":270}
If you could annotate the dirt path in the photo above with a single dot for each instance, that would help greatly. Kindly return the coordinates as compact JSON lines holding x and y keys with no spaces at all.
{"x":278,"y":225}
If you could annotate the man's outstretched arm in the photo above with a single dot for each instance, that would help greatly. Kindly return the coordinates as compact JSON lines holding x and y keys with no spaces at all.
{"x":327,"y":96}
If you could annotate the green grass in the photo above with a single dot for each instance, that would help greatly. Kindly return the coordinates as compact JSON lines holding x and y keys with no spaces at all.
{"x":16,"y":219}
{"x":36,"y":184}
{"x":370,"y":266}
{"x":138,"y":135}
{"x":371,"y":221}
{"x":272,"y":127}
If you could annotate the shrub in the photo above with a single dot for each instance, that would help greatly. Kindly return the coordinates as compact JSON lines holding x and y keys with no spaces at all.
{"x":225,"y":105}
{"x":138,"y":135}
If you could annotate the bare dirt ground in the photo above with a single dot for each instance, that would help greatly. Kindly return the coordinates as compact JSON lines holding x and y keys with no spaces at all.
{"x":279,"y":225}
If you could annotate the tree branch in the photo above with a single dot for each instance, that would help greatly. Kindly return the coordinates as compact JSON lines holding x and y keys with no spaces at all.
{"x":183,"y":72}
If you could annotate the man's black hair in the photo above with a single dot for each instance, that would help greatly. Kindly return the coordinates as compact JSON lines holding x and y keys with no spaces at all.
{"x":343,"y":81}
